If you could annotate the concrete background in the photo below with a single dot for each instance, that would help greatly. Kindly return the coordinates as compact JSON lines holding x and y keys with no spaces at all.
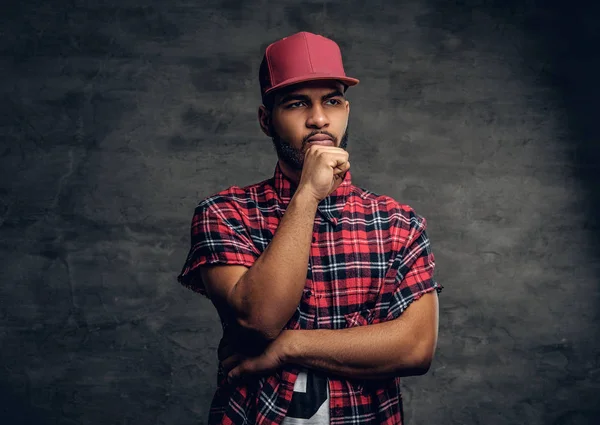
{"x":117,"y":117}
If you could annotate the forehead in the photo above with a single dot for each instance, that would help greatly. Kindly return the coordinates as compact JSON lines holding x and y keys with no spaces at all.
{"x":309,"y":88}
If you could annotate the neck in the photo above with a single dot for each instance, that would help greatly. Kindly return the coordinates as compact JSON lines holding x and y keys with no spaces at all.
{"x":290,"y":173}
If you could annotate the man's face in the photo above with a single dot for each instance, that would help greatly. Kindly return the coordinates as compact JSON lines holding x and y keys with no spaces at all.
{"x":302,"y":112}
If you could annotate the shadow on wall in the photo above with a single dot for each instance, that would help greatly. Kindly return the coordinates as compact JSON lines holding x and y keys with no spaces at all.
{"x":559,"y":42}
{"x":571,"y":34}
{"x":16,"y":410}
{"x":574,"y":41}
{"x":565,"y":38}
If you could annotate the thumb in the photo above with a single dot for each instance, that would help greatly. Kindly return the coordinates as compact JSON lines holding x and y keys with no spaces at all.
{"x":243,"y":368}
{"x":233,"y":374}
{"x":342,"y":168}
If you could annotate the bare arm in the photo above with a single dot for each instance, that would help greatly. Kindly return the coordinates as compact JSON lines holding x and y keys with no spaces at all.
{"x":400,"y":347}
{"x":261,"y":299}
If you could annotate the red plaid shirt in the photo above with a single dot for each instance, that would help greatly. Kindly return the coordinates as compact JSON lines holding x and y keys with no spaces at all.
{"x":369,"y":259}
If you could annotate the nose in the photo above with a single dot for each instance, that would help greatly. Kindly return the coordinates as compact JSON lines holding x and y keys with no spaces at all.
{"x":317,"y":118}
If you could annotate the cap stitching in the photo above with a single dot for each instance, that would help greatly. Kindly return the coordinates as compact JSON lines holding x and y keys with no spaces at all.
{"x":312,"y":69}
{"x":271,"y":84}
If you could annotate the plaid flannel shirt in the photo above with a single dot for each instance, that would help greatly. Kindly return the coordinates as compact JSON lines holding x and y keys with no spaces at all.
{"x":369,"y":259}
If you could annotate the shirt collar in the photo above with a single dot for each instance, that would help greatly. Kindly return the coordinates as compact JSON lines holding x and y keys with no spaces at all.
{"x":330,"y":208}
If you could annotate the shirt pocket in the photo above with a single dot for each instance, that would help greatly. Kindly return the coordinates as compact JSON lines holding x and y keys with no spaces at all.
{"x":361,"y":317}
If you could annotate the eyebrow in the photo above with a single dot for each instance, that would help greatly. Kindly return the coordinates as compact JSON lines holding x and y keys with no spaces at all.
{"x":297,"y":96}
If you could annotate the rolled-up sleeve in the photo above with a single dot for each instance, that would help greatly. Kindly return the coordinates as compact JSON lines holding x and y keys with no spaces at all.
{"x":412,"y":269}
{"x":218,"y":236}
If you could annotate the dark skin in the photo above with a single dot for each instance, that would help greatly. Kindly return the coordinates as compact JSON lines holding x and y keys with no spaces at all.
{"x":300,"y":111}
{"x":399,"y":347}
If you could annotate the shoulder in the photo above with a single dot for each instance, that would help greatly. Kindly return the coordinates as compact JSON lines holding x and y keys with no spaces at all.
{"x":234,"y":198}
{"x":398,"y":213}
{"x":402,"y":224}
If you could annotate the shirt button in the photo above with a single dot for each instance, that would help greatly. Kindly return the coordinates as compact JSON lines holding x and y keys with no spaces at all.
{"x":308,"y":293}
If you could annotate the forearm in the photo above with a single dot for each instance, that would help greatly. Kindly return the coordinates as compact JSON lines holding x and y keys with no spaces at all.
{"x":363,"y":352}
{"x":267,"y":295}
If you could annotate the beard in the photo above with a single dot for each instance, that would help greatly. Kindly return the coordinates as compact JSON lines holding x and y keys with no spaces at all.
{"x":294,"y":157}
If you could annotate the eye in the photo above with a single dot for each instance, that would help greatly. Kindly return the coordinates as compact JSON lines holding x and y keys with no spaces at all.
{"x":335,"y":101}
{"x":294,"y":105}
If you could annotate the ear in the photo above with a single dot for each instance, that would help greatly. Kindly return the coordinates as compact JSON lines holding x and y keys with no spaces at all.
{"x":264,"y":119}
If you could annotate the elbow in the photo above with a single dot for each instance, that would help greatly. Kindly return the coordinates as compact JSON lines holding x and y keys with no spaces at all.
{"x":267,"y":321}
{"x":252,"y":338}
{"x":423,"y":353}
{"x":422,"y":364}
{"x":419,"y":362}
{"x":267,"y":326}
{"x":263,"y":331}
{"x":261,"y":321}
{"x":253,"y":330}
{"x":417,"y":366}
{"x":424,"y":356}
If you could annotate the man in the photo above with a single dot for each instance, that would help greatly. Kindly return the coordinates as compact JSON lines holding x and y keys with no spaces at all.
{"x":312,"y":276}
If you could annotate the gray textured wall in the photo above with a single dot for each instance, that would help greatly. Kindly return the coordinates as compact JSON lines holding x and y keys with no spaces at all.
{"x":117,"y":118}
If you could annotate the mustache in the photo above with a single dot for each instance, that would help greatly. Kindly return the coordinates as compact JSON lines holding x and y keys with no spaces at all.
{"x":314,"y":133}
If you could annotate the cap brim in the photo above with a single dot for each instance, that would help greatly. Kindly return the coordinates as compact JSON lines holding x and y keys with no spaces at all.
{"x":349,"y":81}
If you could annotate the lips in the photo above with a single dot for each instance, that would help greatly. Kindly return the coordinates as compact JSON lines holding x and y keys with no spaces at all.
{"x":320,"y":139}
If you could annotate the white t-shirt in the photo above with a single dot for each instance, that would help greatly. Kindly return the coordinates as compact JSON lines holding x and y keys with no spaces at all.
{"x":310,"y":401}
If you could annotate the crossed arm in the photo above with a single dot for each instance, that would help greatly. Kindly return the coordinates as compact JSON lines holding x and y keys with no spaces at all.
{"x":400,"y":347}
{"x":258,"y":301}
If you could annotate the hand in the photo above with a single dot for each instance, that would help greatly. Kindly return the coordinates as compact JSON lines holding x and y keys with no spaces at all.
{"x":238,"y":367}
{"x":323,"y":170}
{"x":227,"y":354}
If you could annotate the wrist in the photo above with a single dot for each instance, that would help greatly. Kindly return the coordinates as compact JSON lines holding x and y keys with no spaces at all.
{"x":292,"y":345}
{"x":305,"y":198}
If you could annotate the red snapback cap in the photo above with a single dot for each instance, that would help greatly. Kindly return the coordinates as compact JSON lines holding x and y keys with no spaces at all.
{"x":300,"y":57}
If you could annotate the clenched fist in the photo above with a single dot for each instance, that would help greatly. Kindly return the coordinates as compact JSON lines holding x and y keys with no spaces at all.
{"x":323,"y":170}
